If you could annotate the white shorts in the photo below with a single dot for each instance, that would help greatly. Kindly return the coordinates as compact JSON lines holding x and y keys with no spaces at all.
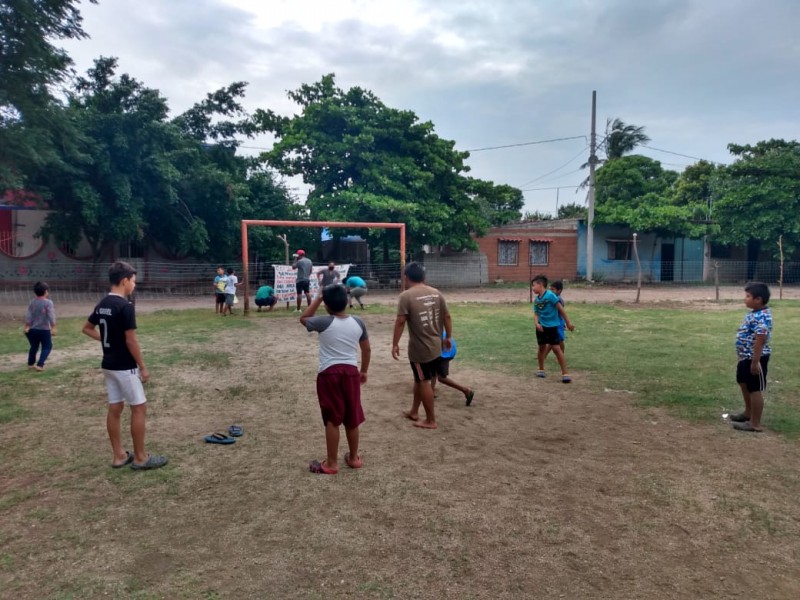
{"x":124,"y":386}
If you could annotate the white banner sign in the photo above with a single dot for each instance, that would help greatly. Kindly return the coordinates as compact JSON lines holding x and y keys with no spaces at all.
{"x":286,"y":276}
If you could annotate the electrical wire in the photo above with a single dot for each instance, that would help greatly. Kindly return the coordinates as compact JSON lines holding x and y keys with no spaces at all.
{"x":563,"y":139}
{"x":535,"y":179}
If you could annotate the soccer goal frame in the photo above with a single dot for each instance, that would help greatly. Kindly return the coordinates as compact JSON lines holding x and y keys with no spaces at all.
{"x":246,"y":223}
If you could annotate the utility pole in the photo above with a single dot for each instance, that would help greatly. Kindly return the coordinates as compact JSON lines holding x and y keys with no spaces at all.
{"x":590,"y":217}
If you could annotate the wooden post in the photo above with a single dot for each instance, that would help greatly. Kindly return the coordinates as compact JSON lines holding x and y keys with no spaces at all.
{"x":716,"y":279}
{"x":638,"y":268}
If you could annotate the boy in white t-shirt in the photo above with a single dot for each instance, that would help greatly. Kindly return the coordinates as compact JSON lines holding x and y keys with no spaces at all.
{"x":231,"y":283}
{"x":339,"y":379}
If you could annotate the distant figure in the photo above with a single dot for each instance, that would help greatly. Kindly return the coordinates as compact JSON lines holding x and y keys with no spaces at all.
{"x":265,"y":296}
{"x":339,"y":379}
{"x":219,"y":291}
{"x":546,"y":312}
{"x":302,"y":285}
{"x":231,"y":283}
{"x":40,"y":325}
{"x":328,"y":276}
{"x":356,"y":288}
{"x":752,"y":348}
{"x":425,"y":310}
{"x":123,"y":367}
{"x":557,"y":287}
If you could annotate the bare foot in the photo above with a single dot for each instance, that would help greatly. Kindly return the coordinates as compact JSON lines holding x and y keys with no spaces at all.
{"x":409,"y":415}
{"x":425,"y":425}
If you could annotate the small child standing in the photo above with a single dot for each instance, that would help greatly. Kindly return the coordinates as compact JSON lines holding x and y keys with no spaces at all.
{"x":40,"y":325}
{"x":546,"y":313}
{"x":123,"y":367}
{"x":231,"y":283}
{"x":339,"y":380}
{"x":219,"y":291}
{"x":557,"y":287}
{"x":752,"y":348}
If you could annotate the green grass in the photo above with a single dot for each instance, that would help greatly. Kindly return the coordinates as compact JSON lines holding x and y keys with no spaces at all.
{"x":682,"y":359}
{"x":679,"y":358}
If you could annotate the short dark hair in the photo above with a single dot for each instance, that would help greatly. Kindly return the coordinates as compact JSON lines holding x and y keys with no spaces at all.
{"x":415,"y":272}
{"x":118,"y":271}
{"x":541,"y":279}
{"x":230,"y":271}
{"x":335,"y":297}
{"x":758,"y":290}
{"x":40,"y":288}
{"x":558,"y":284}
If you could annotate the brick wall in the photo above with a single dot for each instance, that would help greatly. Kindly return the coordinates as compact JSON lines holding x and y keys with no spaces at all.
{"x":561,"y":236}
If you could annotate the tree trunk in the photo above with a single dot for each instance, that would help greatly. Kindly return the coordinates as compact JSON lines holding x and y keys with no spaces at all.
{"x":753,"y":250}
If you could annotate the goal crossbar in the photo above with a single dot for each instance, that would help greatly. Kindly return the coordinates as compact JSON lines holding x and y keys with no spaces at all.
{"x":352,"y":225}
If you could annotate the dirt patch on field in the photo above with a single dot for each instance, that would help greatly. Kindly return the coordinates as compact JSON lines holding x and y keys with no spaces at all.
{"x":538,"y":490}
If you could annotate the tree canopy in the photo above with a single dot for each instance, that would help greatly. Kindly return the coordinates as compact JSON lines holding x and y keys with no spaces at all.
{"x":757,"y":198}
{"x":30,"y":65}
{"x":366,"y":161}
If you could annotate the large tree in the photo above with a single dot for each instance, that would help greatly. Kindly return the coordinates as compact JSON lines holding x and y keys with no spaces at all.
{"x":756,"y":200}
{"x":32,"y":126}
{"x":139,"y":176}
{"x":366,"y":161}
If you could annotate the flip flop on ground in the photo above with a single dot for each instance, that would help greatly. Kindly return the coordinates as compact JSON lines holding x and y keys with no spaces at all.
{"x":235,"y":431}
{"x":746,"y":426}
{"x":320,"y":468}
{"x":128,"y":460}
{"x":469,"y":396}
{"x":540,"y":374}
{"x":425,"y":425}
{"x":353,"y":464}
{"x":219,"y":438}
{"x":739,"y":418}
{"x":152,"y":462}
{"x":566,"y":379}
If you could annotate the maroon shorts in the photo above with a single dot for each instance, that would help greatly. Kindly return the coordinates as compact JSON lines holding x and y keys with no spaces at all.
{"x":339,"y":394}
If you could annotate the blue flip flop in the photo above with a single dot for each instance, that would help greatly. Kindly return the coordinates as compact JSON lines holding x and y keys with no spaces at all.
{"x":219,"y":438}
{"x":235,"y":431}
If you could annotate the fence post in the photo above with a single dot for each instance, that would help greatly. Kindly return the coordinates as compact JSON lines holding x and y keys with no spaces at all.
{"x":716,"y":279}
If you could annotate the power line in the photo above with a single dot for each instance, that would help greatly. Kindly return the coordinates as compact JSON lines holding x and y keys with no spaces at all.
{"x":563,"y":139}
{"x":558,"y":169}
{"x":679,"y":154}
{"x":560,"y":187}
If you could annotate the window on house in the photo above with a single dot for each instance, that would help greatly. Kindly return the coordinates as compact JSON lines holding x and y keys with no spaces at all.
{"x":507,"y":252}
{"x":619,"y":249}
{"x":539,"y":253}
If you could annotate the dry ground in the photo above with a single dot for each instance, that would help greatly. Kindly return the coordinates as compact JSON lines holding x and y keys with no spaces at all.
{"x":538,"y":490}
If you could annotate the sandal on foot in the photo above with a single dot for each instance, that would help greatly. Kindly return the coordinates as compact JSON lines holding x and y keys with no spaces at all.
{"x":411,"y":417}
{"x":566,"y":379}
{"x":470,"y":396}
{"x":320,"y":468}
{"x":746,"y":426}
{"x":739,"y":418}
{"x":235,"y":431}
{"x":219,"y":438}
{"x":152,"y":462}
{"x":540,"y":374}
{"x":128,"y":460}
{"x":353,"y":464}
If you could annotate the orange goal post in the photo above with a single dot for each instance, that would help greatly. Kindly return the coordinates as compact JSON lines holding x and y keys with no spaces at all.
{"x":254,"y":222}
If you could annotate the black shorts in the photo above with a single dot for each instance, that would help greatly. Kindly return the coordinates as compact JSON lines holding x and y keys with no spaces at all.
{"x":220,"y":297}
{"x":268,"y":301}
{"x":302,"y":287}
{"x":443,"y":369}
{"x":754,"y":383}
{"x":548,"y":336}
{"x":425,"y":371}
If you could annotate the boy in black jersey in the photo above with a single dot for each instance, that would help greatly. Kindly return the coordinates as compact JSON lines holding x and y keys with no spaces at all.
{"x":123,"y":367}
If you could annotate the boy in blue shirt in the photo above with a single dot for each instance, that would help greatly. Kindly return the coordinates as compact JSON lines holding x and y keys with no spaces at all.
{"x":752,"y":348}
{"x":546,"y":313}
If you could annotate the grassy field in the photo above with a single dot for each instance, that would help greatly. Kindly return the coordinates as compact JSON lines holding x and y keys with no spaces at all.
{"x":489,"y":506}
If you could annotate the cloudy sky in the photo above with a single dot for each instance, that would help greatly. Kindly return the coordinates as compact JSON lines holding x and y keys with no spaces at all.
{"x":698,"y":74}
